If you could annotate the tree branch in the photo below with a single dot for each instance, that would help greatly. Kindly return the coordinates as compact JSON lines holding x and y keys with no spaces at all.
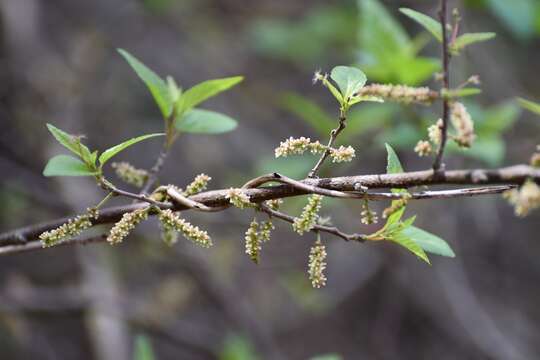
{"x":514,"y":175}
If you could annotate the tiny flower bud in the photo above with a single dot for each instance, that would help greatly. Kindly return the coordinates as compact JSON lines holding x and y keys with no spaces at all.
{"x":274,"y":204}
{"x":423,"y":148}
{"x":526,"y":199}
{"x":396,"y":205}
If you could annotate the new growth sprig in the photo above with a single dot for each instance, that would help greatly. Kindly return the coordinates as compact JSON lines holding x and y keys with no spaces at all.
{"x":263,"y":195}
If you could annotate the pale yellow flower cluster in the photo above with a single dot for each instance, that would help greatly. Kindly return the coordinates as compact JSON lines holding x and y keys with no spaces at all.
{"x":463,"y":124}
{"x":171,"y":221}
{"x":197,"y":185}
{"x":293,"y":146}
{"x":129,"y":174}
{"x":435,"y":132}
{"x":396,"y":205}
{"x":127,"y":223}
{"x":423,"y":148}
{"x":524,"y":199}
{"x":238,"y":198}
{"x":400,"y":93}
{"x":253,"y":241}
{"x":299,"y":146}
{"x":68,"y":230}
{"x":368,"y":216}
{"x":342,"y":154}
{"x":317,"y":265}
{"x":309,"y":216}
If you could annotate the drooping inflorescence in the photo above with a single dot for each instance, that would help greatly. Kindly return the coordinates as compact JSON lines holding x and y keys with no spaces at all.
{"x":317,"y":264}
{"x":368,"y":216}
{"x":463,"y":124}
{"x":309,"y":216}
{"x":127,"y":223}
{"x":423,"y":148}
{"x":525,"y":199}
{"x":253,"y":241}
{"x":170,"y":221}
{"x":68,"y":230}
{"x":129,"y":174}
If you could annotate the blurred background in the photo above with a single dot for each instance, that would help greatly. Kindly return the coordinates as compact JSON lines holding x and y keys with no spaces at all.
{"x":59,"y":65}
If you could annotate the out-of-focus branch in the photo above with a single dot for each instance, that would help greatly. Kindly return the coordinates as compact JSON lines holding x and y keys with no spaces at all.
{"x":437,"y":164}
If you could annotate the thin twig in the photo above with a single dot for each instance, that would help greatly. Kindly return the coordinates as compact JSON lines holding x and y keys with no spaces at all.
{"x":153,"y":173}
{"x":333,"y":135}
{"x":437,"y":164}
{"x":328,"y":229}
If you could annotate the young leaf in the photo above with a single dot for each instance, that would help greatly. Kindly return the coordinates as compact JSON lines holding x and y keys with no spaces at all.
{"x":143,"y":349}
{"x":393,"y":165}
{"x":109,"y":153}
{"x":430,"y":24}
{"x":349,"y":80}
{"x":65,"y":165}
{"x":429,"y":242}
{"x":205,"y":90}
{"x":72,"y":143}
{"x":158,"y":88}
{"x":198,"y":121}
{"x":402,"y":239}
{"x":471,"y":38}
{"x":529,"y":105}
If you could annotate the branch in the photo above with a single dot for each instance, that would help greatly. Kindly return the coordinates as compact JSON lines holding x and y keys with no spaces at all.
{"x":446,"y":85}
{"x":514,"y":175}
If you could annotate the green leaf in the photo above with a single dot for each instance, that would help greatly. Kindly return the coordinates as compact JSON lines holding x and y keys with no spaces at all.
{"x":65,"y":165}
{"x":430,"y":24}
{"x":471,"y":38}
{"x":237,"y":347}
{"x":529,"y":105}
{"x":109,"y":153}
{"x":158,"y":88}
{"x":393,"y":165}
{"x":201,"y":92}
{"x":349,"y":80}
{"x":174,"y":90}
{"x":429,"y":242}
{"x":402,"y":239}
{"x":198,"y":121}
{"x":456,"y":93}
{"x":379,"y":33}
{"x":143,"y":349}
{"x":309,"y":111}
{"x":72,"y":143}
